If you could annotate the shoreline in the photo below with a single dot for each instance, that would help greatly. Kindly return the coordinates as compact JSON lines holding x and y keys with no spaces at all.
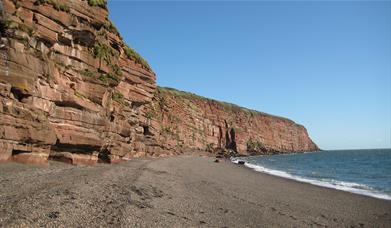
{"x":342,"y":187}
{"x":175,"y":191}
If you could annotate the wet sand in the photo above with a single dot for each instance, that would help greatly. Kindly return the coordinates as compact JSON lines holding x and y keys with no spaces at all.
{"x":175,"y":192}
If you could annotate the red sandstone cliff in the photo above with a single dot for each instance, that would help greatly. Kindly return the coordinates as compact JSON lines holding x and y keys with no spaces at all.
{"x":71,"y":90}
{"x":178,"y":121}
{"x":69,"y":87}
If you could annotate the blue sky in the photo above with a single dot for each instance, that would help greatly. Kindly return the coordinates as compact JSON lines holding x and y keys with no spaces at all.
{"x":326,"y":65}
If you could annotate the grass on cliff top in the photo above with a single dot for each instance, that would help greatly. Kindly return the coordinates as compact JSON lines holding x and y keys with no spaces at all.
{"x":99,"y":3}
{"x":131,"y":53}
{"x":110,"y":27}
{"x":225,"y":105}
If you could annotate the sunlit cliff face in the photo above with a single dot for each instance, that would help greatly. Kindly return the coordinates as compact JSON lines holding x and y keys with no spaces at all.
{"x":72,"y":90}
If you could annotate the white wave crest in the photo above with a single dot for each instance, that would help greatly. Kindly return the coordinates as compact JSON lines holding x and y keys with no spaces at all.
{"x":340,"y":185}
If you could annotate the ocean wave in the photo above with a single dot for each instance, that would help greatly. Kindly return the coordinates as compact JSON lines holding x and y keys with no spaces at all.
{"x":328,"y":183}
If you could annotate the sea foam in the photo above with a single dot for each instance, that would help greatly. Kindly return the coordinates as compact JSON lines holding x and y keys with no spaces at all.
{"x":328,"y":183}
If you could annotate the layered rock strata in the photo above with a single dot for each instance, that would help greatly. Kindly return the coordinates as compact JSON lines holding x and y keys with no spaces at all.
{"x":182,"y":121}
{"x":69,"y":86}
{"x":72,"y":90}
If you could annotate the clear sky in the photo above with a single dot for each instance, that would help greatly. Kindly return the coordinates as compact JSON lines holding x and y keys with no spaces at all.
{"x":326,"y":65}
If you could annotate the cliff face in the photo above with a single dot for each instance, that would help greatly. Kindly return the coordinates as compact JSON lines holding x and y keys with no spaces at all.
{"x":71,"y":90}
{"x":69,"y":87}
{"x":180,"y":120}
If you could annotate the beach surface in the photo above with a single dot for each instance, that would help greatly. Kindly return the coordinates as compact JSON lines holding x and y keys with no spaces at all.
{"x":175,"y":192}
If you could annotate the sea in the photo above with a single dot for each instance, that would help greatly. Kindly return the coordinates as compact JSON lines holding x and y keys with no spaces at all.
{"x":365,"y":172}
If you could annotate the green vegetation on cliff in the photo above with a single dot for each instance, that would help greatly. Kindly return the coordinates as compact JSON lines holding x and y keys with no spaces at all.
{"x":131,"y":53}
{"x":103,"y":51}
{"x":224,"y":105}
{"x":58,"y":6}
{"x":255,"y":146}
{"x":117,"y":96}
{"x":110,"y":27}
{"x":99,"y":3}
{"x":87,"y":73}
{"x":9,"y":24}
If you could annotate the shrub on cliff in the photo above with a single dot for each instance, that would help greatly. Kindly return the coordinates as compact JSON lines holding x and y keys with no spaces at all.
{"x":117,"y":96}
{"x":109,"y":77}
{"x":149,"y":115}
{"x":87,"y":73}
{"x":110,"y":27}
{"x":131,"y":53}
{"x":58,"y":6}
{"x":210,"y":147}
{"x":255,"y":146}
{"x":102,"y":51}
{"x":99,"y":3}
{"x":116,"y":70}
